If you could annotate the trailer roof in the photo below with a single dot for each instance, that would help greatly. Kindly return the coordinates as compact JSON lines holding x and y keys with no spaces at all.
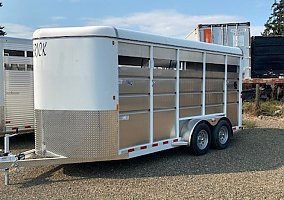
{"x":112,"y":32}
{"x":14,"y":39}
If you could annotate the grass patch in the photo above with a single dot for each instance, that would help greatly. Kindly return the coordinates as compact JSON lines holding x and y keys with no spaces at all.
{"x":249,"y":123}
{"x":267,"y":108}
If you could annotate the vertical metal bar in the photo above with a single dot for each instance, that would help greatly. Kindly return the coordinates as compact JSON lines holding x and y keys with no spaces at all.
{"x":6,"y":150}
{"x":177,"y":93}
{"x":237,"y":36}
{"x":212,"y":37}
{"x":6,"y":144}
{"x":240,"y":119}
{"x":227,"y":36}
{"x":6,"y":177}
{"x":203,"y":84}
{"x":151,"y":94}
{"x":225,"y":84}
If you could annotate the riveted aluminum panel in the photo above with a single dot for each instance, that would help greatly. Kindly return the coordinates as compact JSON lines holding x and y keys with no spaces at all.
{"x":135,"y":50}
{"x":189,"y":100}
{"x":211,"y":109}
{"x":19,"y":99}
{"x":133,"y":72}
{"x":164,"y":125}
{"x":190,"y":85}
{"x":164,"y":73}
{"x":191,"y":56}
{"x":164,"y":101}
{"x":2,"y":120}
{"x":232,"y":113}
{"x":77,"y":134}
{"x":215,"y":58}
{"x":164,"y":86}
{"x":133,"y":129}
{"x":232,"y":97}
{"x":214,"y":98}
{"x":131,"y":103}
{"x":165,"y":53}
{"x":190,"y":111}
{"x":134,"y":86}
{"x":214,"y":85}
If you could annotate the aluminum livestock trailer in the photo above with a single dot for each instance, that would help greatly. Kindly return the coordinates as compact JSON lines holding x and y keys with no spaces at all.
{"x":16,"y":86}
{"x":103,"y":93}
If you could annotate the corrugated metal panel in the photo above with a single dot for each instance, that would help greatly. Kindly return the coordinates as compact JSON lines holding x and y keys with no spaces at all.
{"x":18,"y":60}
{"x":19,"y":102}
{"x":17,"y":46}
{"x":267,"y":56}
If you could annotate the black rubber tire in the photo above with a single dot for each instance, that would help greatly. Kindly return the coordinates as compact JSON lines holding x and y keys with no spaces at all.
{"x":196,"y":150}
{"x":215,"y":135}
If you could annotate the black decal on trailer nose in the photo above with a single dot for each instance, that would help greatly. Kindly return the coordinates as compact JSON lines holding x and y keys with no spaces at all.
{"x":40,"y":49}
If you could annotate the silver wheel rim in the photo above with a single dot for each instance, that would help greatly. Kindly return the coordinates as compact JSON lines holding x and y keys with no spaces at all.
{"x":202,"y":139}
{"x":223,"y":135}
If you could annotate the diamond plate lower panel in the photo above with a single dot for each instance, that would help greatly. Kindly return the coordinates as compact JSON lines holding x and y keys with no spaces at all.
{"x":77,"y":134}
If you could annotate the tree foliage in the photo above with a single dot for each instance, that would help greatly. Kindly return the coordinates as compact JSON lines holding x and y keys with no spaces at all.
{"x":2,"y":33}
{"x":275,"y":23}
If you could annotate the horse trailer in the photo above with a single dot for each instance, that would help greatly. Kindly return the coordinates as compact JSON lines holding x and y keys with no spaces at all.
{"x":16,"y":88}
{"x":103,"y":93}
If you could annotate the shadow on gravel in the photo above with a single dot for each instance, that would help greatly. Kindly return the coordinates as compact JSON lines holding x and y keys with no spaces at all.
{"x":250,"y":150}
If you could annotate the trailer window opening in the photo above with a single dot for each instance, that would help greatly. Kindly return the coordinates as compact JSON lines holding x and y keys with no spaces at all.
{"x":165,"y":64}
{"x":18,"y":53}
{"x":133,"y":61}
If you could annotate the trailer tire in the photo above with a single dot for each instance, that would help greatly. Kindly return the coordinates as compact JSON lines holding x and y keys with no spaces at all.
{"x":200,"y":139}
{"x":221,"y":135}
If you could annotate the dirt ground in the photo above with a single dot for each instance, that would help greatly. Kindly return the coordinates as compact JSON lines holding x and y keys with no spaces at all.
{"x":252,"y":167}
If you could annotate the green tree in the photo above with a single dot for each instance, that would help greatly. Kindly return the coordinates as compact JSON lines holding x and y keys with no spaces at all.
{"x":2,"y":33}
{"x":275,"y":23}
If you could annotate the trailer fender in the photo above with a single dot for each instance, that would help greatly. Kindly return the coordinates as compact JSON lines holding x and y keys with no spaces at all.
{"x":188,"y":127}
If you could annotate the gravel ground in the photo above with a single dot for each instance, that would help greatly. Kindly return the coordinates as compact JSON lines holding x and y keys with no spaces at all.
{"x":251,"y":168}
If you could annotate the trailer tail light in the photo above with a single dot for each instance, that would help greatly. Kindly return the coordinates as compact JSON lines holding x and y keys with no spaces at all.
{"x":131,"y":150}
{"x":175,"y":140}
{"x":155,"y":145}
{"x":143,"y":147}
{"x":166,"y":142}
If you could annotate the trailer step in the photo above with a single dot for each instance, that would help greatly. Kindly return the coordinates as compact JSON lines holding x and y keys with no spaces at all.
{"x":180,"y":143}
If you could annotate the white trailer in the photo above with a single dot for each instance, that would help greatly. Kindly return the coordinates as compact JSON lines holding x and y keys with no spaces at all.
{"x":228,"y":34}
{"x":16,"y":86}
{"x":103,"y":93}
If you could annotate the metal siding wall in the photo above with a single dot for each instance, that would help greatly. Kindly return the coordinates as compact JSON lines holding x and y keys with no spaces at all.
{"x":133,"y":129}
{"x":19,"y":101}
